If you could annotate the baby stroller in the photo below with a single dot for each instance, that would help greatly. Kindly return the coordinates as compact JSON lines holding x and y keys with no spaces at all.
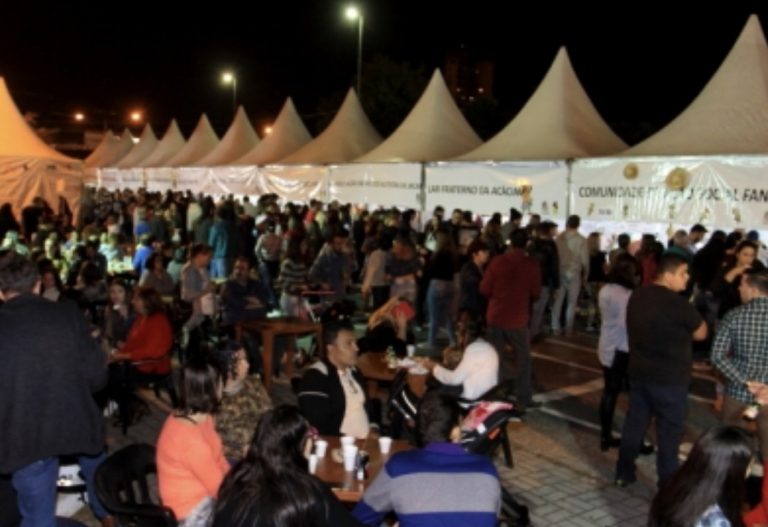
{"x":483,"y":431}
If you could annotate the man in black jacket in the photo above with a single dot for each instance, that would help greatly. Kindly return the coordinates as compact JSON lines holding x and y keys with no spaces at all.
{"x":51,"y":367}
{"x":331,"y":394}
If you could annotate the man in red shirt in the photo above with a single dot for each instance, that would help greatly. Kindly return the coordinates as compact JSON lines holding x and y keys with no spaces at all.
{"x":511,"y":283}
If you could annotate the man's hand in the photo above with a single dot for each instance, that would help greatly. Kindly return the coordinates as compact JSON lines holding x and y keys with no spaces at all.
{"x":759,"y":390}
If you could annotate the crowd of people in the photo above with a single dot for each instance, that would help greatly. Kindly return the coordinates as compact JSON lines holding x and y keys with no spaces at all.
{"x":99,"y":302}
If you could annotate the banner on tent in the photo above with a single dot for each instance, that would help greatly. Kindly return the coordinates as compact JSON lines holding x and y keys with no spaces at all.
{"x":386,"y":185}
{"x":160,"y":179}
{"x":131,"y":178}
{"x":190,"y":178}
{"x":532,"y":188}
{"x":727,"y":192}
{"x":238,"y":180}
{"x":109,"y":178}
{"x":293,"y":183}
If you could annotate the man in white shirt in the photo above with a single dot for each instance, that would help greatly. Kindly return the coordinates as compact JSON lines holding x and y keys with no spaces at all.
{"x":574,"y":266}
{"x":331,"y":393}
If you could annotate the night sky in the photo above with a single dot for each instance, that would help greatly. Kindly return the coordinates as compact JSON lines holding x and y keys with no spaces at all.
{"x":640,"y":64}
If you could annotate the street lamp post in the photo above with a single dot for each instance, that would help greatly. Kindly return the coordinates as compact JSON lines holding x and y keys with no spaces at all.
{"x":230,"y":78}
{"x":353,"y":13}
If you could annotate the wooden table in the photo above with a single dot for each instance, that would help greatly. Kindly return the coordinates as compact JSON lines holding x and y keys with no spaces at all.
{"x":345,"y":484}
{"x":268,"y":328}
{"x":373,"y":366}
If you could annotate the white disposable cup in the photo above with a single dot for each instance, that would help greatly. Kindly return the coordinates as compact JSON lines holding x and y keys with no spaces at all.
{"x":347,"y":441}
{"x":411,"y":350}
{"x":385,"y":443}
{"x":350,"y":457}
{"x":312,"y":463}
{"x":321,"y":445}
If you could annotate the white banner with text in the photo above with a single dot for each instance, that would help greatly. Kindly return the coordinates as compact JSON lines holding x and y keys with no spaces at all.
{"x":485,"y":188}
{"x":376,"y":185}
{"x":723,"y":192}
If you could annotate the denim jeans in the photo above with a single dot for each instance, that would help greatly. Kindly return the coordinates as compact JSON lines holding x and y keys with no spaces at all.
{"x":439,"y":302}
{"x":570,"y":286}
{"x":669,"y":404}
{"x":35,"y":486}
{"x":221,"y":267}
{"x":538,"y":310}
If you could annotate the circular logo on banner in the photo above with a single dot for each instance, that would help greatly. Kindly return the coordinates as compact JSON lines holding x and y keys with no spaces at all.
{"x":677,"y":179}
{"x":631,"y":171}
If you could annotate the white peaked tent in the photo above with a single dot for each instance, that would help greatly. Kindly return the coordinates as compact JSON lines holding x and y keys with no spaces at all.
{"x":730,"y":115}
{"x":434,"y":130}
{"x":107,"y":143}
{"x":558,"y":122}
{"x":202,"y":141}
{"x":118,"y":150}
{"x":170,"y":145}
{"x":349,"y":136}
{"x":30,"y":168}
{"x":288,"y":135}
{"x":140,"y":151}
{"x":239,"y":139}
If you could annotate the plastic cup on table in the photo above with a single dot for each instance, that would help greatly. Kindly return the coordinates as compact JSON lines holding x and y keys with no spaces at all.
{"x":350,"y":457}
{"x":385,"y":443}
{"x":321,"y":445}
{"x":312,"y":463}
{"x":347,"y":441}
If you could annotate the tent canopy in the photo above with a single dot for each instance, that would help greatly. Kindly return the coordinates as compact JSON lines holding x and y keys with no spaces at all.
{"x":288,"y":135}
{"x":29,"y":167}
{"x":434,"y":130}
{"x":349,"y":136}
{"x":202,"y":141}
{"x":141,"y":150}
{"x":239,"y":140}
{"x":170,"y":145}
{"x":730,"y":115}
{"x":108,"y":142}
{"x":559,"y":121}
{"x":16,"y":136}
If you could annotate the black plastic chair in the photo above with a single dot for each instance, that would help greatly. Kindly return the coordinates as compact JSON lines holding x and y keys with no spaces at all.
{"x":497,"y":435}
{"x":123,"y":487}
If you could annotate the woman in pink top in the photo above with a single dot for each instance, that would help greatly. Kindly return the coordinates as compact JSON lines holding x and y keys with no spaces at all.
{"x":190,"y":459}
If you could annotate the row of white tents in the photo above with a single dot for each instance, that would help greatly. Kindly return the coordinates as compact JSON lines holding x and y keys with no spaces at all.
{"x":556,"y":155}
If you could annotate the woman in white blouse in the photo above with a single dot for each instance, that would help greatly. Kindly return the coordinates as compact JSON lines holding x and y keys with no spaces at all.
{"x":478,"y":370}
{"x":612,"y":348}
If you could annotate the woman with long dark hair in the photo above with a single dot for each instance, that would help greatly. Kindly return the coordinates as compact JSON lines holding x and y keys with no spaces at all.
{"x":271,"y":485}
{"x":708,"y":489}
{"x":190,"y":458}
{"x":613,"y":345}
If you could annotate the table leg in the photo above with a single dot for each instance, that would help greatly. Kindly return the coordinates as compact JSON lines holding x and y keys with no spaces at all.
{"x":267,"y":355}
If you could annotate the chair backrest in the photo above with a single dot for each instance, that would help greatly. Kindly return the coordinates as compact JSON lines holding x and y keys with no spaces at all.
{"x":401,"y":399}
{"x":122,"y":485}
{"x":486,"y":437}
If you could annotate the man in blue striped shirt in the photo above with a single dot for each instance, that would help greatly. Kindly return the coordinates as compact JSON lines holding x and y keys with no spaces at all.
{"x":440,"y":485}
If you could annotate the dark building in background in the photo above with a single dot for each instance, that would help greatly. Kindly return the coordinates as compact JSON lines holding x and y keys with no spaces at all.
{"x":468,"y":79}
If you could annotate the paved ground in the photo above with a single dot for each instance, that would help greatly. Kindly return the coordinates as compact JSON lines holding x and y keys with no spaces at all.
{"x":560,"y":472}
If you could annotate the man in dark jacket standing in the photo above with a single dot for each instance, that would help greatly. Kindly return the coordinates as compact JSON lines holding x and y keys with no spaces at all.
{"x":511,"y":283}
{"x":51,"y":367}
